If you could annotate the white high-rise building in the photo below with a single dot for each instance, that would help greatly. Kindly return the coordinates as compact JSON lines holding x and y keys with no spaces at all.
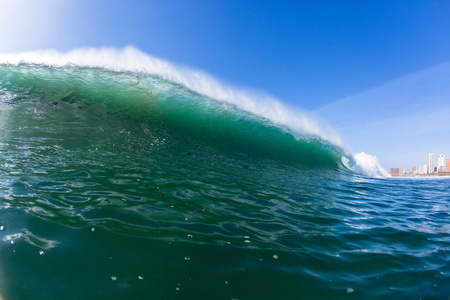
{"x":425,"y":169}
{"x":430,"y":163}
{"x":441,"y":163}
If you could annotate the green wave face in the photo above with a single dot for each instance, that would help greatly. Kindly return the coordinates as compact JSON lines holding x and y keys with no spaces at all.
{"x":138,"y":155}
{"x":92,"y":108}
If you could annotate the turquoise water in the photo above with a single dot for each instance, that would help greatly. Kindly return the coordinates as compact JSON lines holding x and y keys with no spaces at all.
{"x":122,"y":185}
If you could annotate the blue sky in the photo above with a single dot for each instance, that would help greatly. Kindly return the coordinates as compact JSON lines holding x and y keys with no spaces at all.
{"x":310,"y":54}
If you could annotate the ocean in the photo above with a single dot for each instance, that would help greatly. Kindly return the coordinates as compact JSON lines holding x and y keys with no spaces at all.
{"x":131,"y":183}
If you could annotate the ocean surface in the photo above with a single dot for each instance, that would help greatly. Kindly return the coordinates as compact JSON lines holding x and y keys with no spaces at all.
{"x":123,"y":184}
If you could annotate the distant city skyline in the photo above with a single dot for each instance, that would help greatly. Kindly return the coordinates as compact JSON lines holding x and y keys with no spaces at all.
{"x":430,"y":168}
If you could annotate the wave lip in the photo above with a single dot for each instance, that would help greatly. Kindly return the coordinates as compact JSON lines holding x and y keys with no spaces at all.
{"x":303,"y":127}
{"x":131,"y":59}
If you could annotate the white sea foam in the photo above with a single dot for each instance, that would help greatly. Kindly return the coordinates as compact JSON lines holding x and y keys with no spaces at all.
{"x":368,"y":165}
{"x":131,"y":59}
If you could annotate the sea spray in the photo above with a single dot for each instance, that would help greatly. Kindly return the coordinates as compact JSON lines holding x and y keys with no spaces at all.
{"x":368,"y":165}
{"x":131,"y":59}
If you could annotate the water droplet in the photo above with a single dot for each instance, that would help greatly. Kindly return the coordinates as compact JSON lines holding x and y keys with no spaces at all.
{"x":12,"y":242}
{"x":275,"y":256}
{"x":246,"y":237}
{"x":350,"y":290}
{"x":190,"y":235}
{"x":141,"y":278}
{"x":113,"y":278}
{"x":2,"y":227}
{"x":247,"y":241}
{"x":92,"y":229}
{"x":187,"y":258}
{"x":41,"y":252}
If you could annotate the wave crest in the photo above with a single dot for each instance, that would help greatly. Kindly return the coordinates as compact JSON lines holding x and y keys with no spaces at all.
{"x":129,"y":59}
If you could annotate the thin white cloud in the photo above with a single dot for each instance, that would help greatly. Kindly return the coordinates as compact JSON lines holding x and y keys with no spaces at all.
{"x":399,"y":122}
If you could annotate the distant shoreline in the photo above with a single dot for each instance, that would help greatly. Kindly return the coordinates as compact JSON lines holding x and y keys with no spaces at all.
{"x":439,"y":174}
